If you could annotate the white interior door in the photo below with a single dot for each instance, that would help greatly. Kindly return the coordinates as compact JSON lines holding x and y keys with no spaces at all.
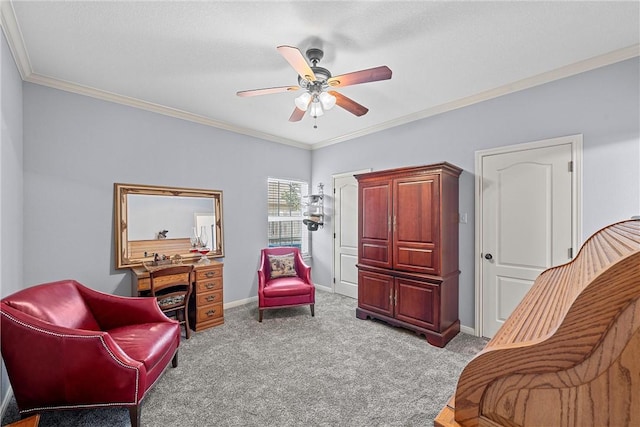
{"x":345,"y":253}
{"x":527,"y":207}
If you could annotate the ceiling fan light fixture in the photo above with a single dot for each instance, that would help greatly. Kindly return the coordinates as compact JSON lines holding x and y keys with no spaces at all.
{"x":302,"y":101}
{"x":327,"y":100}
{"x":316,"y":109}
{"x":316,"y":82}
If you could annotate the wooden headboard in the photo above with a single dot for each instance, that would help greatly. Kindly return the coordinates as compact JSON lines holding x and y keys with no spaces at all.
{"x":569,"y":354}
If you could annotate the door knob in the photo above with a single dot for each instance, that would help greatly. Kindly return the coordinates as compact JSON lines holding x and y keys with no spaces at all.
{"x":488,"y":256}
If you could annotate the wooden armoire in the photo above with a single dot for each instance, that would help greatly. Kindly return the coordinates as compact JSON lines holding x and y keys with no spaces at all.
{"x":408,"y":249}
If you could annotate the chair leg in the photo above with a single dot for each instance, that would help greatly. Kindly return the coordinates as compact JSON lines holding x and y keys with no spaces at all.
{"x":174,"y":361}
{"x":312,"y":310}
{"x":187,"y":329}
{"x":260,"y":315}
{"x":134,"y":415}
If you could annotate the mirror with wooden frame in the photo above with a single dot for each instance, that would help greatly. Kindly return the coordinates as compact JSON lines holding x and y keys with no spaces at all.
{"x":153,"y":222}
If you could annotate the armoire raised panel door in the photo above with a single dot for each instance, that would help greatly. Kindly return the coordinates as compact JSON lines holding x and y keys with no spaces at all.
{"x":376,"y":294}
{"x":416,"y":212}
{"x":374,"y":231}
{"x":417,"y":302}
{"x":408,"y":249}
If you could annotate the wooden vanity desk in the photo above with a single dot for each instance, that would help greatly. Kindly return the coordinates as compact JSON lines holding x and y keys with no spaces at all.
{"x":206,"y":309}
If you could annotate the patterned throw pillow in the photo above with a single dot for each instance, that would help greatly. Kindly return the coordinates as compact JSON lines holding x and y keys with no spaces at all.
{"x":282,"y":265}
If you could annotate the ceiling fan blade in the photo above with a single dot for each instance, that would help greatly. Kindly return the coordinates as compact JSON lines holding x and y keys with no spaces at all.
{"x":296,"y":60}
{"x":266,"y":91}
{"x":349,"y":104}
{"x":297,"y":115}
{"x":363,"y":76}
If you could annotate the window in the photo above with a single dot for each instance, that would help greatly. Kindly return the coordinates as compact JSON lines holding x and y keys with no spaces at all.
{"x":285,"y":206}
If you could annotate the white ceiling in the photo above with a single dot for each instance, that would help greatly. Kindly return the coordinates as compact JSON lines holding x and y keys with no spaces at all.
{"x":188,"y":59}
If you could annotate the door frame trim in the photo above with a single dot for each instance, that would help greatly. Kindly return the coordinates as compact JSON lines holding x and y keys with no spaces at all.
{"x":576,"y":204}
{"x":333,"y":222}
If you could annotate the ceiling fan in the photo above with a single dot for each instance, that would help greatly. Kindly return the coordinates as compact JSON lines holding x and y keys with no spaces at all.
{"x":317,"y":82}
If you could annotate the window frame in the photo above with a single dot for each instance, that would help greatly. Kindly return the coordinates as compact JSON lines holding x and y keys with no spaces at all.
{"x":304,"y":233}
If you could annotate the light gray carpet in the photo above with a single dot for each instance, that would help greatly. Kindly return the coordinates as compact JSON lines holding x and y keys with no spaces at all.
{"x":296,"y":370}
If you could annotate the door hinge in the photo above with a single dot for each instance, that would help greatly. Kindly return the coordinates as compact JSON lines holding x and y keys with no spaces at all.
{"x":570,"y":252}
{"x":571,"y":166}
{"x":334,"y":280}
{"x":334,"y":235}
{"x":334,"y":191}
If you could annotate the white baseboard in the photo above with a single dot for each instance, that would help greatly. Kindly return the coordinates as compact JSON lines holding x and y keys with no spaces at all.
{"x":240,"y":302}
{"x":5,"y":401}
{"x":324,"y":288}
{"x":467,"y":330}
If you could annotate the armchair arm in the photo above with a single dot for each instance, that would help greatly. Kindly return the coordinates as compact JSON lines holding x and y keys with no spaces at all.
{"x":262,"y":274}
{"x":304,"y":271}
{"x":50,"y":365}
{"x":114,"y":311}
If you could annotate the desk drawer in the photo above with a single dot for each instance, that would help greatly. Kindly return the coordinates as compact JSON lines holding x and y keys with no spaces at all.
{"x":141,"y":285}
{"x":174,"y":279}
{"x":208,"y":298}
{"x":208,"y":285}
{"x":203,"y":274}
{"x":209,"y":313}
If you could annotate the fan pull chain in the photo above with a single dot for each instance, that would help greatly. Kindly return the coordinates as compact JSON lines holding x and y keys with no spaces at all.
{"x":315,"y":122}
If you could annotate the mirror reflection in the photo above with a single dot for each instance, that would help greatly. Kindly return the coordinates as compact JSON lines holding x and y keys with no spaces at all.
{"x":174,"y":215}
{"x":166,"y":223}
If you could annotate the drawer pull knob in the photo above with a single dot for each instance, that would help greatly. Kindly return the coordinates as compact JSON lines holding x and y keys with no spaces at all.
{"x":211,"y":313}
{"x":211,"y":298}
{"x":209,"y":285}
{"x":210,"y":274}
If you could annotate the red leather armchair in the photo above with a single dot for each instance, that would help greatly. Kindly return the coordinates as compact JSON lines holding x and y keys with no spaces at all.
{"x":290,"y":286}
{"x":66,"y":346}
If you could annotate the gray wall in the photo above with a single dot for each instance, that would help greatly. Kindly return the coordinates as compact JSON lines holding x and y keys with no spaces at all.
{"x":602,"y":104}
{"x":11,"y":156}
{"x":76,"y":147}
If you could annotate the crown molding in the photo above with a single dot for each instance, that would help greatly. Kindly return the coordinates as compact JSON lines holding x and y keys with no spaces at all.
{"x":529,"y":82}
{"x":156,"y":108}
{"x":14,"y":38}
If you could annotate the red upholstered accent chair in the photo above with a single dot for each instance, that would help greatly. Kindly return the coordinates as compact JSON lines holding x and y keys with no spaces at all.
{"x":287,"y":284}
{"x":66,"y":346}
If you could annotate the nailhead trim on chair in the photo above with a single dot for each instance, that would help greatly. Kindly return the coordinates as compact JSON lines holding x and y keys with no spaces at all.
{"x":135,"y":400}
